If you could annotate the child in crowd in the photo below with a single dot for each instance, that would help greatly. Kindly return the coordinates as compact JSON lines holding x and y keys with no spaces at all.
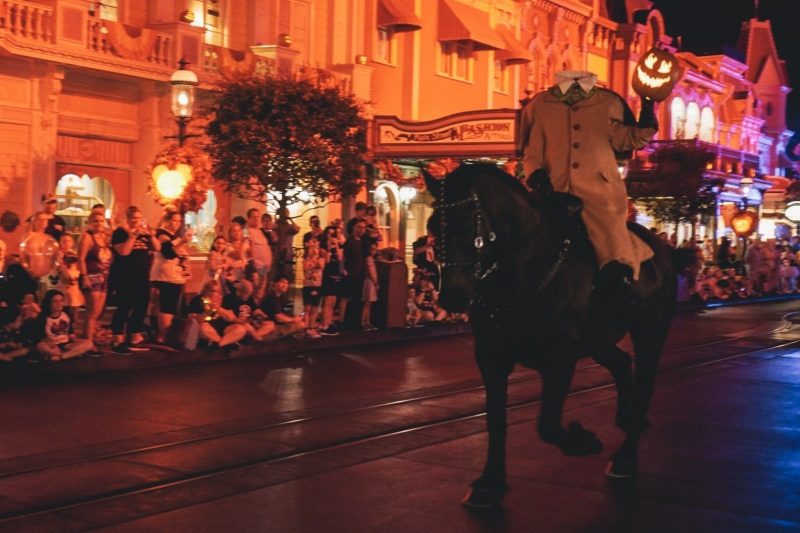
{"x":273,"y":307}
{"x":413,"y":313}
{"x":218,"y":259}
{"x":11,"y":345}
{"x":313,"y":265}
{"x":29,"y":308}
{"x":369,"y":292}
{"x":54,"y":333}
{"x":69,"y":274}
{"x":427,"y":301}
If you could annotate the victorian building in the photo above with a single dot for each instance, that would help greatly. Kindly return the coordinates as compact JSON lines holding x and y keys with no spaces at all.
{"x":85,"y":99}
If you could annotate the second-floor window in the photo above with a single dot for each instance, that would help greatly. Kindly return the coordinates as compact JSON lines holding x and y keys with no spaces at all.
{"x":455,"y":60}
{"x":105,"y":9}
{"x":501,"y":76}
{"x":209,"y":14}
{"x":385,"y":47}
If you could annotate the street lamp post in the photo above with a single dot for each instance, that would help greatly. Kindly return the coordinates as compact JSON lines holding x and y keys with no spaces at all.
{"x":183,"y":82}
{"x":406,"y":194}
{"x":792,"y":214}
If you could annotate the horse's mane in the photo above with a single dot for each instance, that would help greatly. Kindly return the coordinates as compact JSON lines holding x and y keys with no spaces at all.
{"x":466,"y":174}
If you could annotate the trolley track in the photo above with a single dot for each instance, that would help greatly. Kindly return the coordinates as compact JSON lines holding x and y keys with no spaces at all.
{"x":470,"y":392}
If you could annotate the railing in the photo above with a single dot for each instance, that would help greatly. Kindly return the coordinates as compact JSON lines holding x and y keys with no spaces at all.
{"x":159,"y":52}
{"x":27,"y":20}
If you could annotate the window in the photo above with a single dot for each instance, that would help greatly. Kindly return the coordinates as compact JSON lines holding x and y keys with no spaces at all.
{"x":501,"y":76}
{"x":105,"y":9}
{"x":692,"y":121}
{"x":384,"y":47}
{"x":203,"y":223}
{"x":677,"y":119}
{"x":209,"y":14}
{"x":455,"y":60}
{"x":707,"y":125}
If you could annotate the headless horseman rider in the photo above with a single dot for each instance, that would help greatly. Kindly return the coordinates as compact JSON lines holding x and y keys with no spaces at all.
{"x":573,"y":133}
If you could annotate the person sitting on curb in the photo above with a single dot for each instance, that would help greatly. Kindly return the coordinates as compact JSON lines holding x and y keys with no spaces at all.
{"x":242,"y":304}
{"x":272,"y":306}
{"x":54,"y":334}
{"x":217,"y":324}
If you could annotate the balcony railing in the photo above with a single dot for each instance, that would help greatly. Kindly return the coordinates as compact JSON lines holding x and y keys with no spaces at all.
{"x":27,"y":20}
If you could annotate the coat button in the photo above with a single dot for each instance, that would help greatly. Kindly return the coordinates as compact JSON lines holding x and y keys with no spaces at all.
{"x":575,"y":165}
{"x":576,"y":127}
{"x":576,"y":145}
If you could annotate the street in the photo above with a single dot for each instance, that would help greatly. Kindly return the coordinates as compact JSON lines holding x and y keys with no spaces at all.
{"x":386,"y":438}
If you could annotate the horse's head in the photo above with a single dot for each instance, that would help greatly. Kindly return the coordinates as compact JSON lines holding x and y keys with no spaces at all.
{"x":464,"y":236}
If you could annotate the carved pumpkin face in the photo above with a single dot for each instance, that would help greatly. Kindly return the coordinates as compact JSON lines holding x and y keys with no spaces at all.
{"x":656,"y":74}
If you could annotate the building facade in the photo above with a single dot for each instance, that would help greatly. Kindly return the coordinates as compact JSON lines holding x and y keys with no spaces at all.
{"x":85,"y":100}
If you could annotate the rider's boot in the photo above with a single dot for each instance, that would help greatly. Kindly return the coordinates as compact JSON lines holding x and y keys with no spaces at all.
{"x":616,"y":284}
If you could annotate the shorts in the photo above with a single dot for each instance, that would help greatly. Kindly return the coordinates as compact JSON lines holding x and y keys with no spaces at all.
{"x":312,"y":296}
{"x":97,"y":282}
{"x":219,"y":325}
{"x":331,"y":286}
{"x":169,"y":295}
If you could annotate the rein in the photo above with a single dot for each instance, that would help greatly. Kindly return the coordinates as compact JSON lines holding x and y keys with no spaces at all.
{"x":484,"y":233}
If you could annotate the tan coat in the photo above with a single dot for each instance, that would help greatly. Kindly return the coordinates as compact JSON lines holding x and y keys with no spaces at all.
{"x":576,"y":145}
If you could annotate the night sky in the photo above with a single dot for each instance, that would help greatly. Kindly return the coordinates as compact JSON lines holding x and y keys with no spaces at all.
{"x":708,"y":25}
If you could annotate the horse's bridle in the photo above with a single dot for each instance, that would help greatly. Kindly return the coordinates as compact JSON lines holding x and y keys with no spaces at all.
{"x":484,"y":233}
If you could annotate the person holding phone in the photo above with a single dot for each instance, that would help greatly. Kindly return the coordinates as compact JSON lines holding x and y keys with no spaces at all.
{"x":131,"y":244}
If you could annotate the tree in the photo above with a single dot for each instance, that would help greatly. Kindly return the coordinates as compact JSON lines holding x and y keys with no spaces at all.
{"x":285,"y":140}
{"x":675,"y":190}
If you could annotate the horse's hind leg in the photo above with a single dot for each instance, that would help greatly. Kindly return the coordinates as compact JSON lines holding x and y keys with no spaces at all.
{"x":648,"y":336}
{"x":619,"y":363}
{"x":574,"y":439}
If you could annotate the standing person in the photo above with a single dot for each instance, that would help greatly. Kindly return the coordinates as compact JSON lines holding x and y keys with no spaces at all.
{"x":361,"y":215}
{"x":373,"y":234}
{"x":69,"y":274}
{"x":424,"y":258}
{"x":169,"y":271}
{"x":55,"y":338}
{"x":238,"y":256}
{"x":94,"y":261}
{"x":56,"y":226}
{"x":332,"y":276}
{"x":260,"y":251}
{"x":286,"y":229}
{"x":217,"y":259}
{"x":354,"y":266}
{"x":571,"y":136}
{"x":371,"y":287}
{"x":131,"y":243}
{"x":316,"y":230}
{"x":313,"y":267}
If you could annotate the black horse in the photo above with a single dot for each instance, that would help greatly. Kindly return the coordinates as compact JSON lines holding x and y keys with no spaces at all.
{"x":525,"y":270}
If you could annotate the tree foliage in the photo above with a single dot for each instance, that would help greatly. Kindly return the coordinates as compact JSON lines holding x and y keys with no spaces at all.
{"x":280,"y":139}
{"x":675,"y":190}
{"x":793,"y":192}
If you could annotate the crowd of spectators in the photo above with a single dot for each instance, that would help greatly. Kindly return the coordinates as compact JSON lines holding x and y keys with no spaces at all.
{"x":757,"y":268}
{"x":140,"y":271}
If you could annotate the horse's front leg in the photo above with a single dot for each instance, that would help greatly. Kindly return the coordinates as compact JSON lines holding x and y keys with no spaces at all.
{"x":619,"y":363}
{"x":648,"y":341}
{"x":573,"y":439}
{"x":487,"y":491}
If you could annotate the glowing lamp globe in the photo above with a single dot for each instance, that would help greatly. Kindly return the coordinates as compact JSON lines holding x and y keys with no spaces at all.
{"x":656,"y":74}
{"x":407,"y":193}
{"x":170,"y":183}
{"x":744,"y":223}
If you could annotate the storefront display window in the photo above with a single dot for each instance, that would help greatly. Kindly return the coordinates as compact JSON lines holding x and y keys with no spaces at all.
{"x":203,"y":224}
{"x":76,"y":196}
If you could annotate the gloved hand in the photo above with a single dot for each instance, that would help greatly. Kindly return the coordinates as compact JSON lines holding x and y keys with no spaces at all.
{"x":647,"y":116}
{"x":539,"y":182}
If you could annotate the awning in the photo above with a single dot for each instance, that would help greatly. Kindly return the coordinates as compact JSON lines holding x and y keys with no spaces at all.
{"x":513,"y":53}
{"x":398,"y":15}
{"x":460,"y":22}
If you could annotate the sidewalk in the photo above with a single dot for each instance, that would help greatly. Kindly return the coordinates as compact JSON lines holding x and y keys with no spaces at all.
{"x":290,"y":345}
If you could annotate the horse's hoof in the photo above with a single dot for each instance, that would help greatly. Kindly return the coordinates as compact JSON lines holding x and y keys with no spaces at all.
{"x":621,"y":469}
{"x":482,"y":498}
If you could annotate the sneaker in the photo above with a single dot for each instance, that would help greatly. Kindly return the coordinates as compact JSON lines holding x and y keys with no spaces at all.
{"x":330,"y":331}
{"x":121,"y":349}
{"x":313,"y":334}
{"x":138,"y":347}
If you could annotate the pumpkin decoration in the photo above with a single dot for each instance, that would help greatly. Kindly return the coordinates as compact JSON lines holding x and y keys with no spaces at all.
{"x":656,"y":74}
{"x":744,"y":223}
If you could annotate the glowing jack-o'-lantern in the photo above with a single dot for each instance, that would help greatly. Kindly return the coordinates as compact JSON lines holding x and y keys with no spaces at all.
{"x":656,"y":74}
{"x":744,"y":223}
